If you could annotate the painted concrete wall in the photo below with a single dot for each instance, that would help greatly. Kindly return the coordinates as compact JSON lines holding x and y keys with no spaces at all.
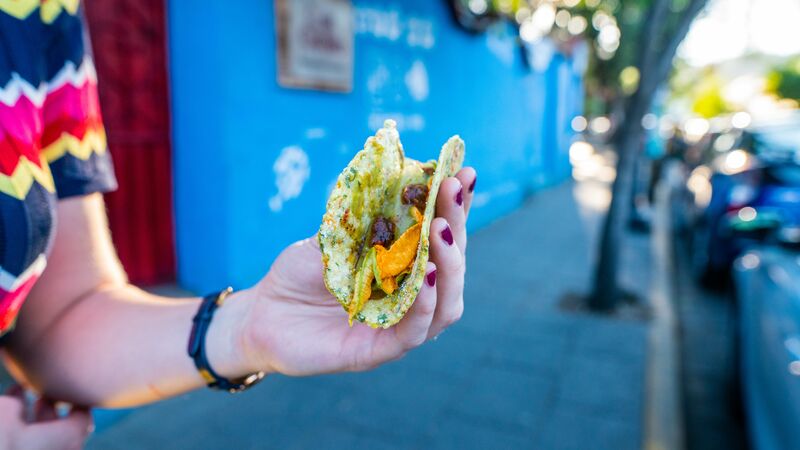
{"x":254,"y":162}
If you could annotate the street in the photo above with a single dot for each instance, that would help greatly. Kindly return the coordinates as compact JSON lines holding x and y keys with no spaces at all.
{"x":711,"y":385}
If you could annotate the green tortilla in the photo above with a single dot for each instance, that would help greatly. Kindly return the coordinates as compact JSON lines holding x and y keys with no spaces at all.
{"x":369,"y":187}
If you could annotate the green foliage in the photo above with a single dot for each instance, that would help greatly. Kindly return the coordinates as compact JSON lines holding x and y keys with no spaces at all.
{"x":700,"y":89}
{"x":784,"y":80}
{"x":606,"y":84}
{"x":708,"y":100}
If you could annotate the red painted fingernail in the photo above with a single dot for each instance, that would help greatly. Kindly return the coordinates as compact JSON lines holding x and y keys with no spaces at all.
{"x":431,"y":278}
{"x":447,"y":235}
{"x":472,"y":186}
{"x":460,"y":196}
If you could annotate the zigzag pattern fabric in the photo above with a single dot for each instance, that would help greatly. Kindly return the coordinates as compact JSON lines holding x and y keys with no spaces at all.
{"x":52,"y":141}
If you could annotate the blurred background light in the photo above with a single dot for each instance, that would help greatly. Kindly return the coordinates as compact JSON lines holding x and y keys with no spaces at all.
{"x":724,"y":143}
{"x":580,"y":151}
{"x":578,"y":124}
{"x":577,"y":25}
{"x":747,"y":214}
{"x":505,"y":6}
{"x":629,"y":79}
{"x":741,"y":119}
{"x":695,"y":128}
{"x":608,"y":38}
{"x":699,"y":185}
{"x":522,"y":14}
{"x":649,"y":121}
{"x":750,"y":261}
{"x":562,"y":18}
{"x":478,"y":6}
{"x":529,"y":32}
{"x":735,"y":161}
{"x":725,"y":33}
{"x":600,"y":125}
{"x":544,"y":17}
{"x":600,"y":20}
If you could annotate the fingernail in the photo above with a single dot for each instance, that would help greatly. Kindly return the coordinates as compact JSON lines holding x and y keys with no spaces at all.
{"x":460,"y":196}
{"x":430,"y":278}
{"x":472,"y":186}
{"x":447,"y":235}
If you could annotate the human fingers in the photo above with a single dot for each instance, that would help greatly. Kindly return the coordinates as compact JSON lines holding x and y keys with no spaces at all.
{"x":468,"y":177}
{"x":450,"y":206}
{"x":68,"y":433}
{"x":413,"y":329}
{"x":43,"y":410}
{"x":450,"y":286}
{"x":34,"y":407}
{"x":11,"y":410}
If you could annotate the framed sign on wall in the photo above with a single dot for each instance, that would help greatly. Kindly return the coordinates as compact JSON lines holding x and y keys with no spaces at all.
{"x":315,"y":44}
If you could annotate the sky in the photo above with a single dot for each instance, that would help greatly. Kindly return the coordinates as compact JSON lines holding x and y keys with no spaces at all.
{"x":730,"y":28}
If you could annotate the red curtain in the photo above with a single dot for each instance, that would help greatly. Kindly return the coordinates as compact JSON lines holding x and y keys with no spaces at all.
{"x":129,"y":42}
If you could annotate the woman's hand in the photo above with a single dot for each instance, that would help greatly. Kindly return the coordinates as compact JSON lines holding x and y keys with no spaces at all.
{"x":296,"y":327}
{"x":46,"y":431}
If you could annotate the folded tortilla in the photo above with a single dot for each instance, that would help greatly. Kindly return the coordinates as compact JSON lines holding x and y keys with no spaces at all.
{"x":374,"y":235}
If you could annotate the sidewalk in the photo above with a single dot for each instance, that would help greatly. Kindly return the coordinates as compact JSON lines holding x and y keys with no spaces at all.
{"x":516,"y":372}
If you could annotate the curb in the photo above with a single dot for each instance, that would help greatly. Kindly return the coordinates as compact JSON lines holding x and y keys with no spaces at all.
{"x":664,"y":425}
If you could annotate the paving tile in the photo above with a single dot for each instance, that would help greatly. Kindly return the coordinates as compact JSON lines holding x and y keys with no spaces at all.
{"x":601,"y":386}
{"x":456,"y":432}
{"x":266,"y":409}
{"x":453,"y":355}
{"x":543,"y":354}
{"x":626,"y":338}
{"x":567,"y":429}
{"x":510,"y":399}
{"x":395,"y":397}
{"x":333,"y":437}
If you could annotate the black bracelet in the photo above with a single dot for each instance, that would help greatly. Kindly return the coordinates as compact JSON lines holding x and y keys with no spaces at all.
{"x":197,"y":347}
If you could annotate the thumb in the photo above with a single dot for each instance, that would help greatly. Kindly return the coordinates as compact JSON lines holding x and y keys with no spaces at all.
{"x":67,"y":433}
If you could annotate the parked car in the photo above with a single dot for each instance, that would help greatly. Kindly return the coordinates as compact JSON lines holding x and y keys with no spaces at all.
{"x":742,"y":194}
{"x":767,"y":283}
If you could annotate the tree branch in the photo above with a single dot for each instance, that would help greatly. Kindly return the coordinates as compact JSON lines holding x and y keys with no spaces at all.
{"x":650,"y":35}
{"x":667,"y":52}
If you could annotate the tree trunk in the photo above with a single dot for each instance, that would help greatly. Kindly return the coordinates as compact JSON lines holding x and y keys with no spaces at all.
{"x":606,"y":291}
{"x":654,"y":66}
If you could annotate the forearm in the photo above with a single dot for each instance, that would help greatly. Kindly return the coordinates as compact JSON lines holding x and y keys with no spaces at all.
{"x":120,"y":346}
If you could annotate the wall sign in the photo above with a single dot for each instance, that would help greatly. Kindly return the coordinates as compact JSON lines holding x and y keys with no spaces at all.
{"x":315,"y":44}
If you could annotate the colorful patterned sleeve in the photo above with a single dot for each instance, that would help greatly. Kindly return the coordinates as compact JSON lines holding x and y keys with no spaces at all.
{"x":73,"y":139}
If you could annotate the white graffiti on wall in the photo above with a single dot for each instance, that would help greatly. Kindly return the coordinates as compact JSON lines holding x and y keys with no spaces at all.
{"x":417,"y":81}
{"x":378,"y":23}
{"x":420,"y":33}
{"x":316,"y":133}
{"x":391,"y":25}
{"x":291,"y":173}
{"x":378,"y":79}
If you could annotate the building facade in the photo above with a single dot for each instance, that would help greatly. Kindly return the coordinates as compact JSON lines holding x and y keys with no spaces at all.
{"x":253,"y":161}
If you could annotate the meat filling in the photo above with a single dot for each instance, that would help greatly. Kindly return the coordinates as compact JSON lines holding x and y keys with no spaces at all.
{"x":415,"y":194}
{"x":382,"y":232}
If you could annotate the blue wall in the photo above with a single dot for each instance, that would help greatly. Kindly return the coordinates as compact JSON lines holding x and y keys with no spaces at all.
{"x":232,"y":122}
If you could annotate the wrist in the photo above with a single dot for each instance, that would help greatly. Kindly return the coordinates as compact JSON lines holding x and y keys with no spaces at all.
{"x":227,"y":345}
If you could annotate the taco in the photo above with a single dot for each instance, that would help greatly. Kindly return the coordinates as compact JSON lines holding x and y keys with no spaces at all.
{"x":374,"y":234}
